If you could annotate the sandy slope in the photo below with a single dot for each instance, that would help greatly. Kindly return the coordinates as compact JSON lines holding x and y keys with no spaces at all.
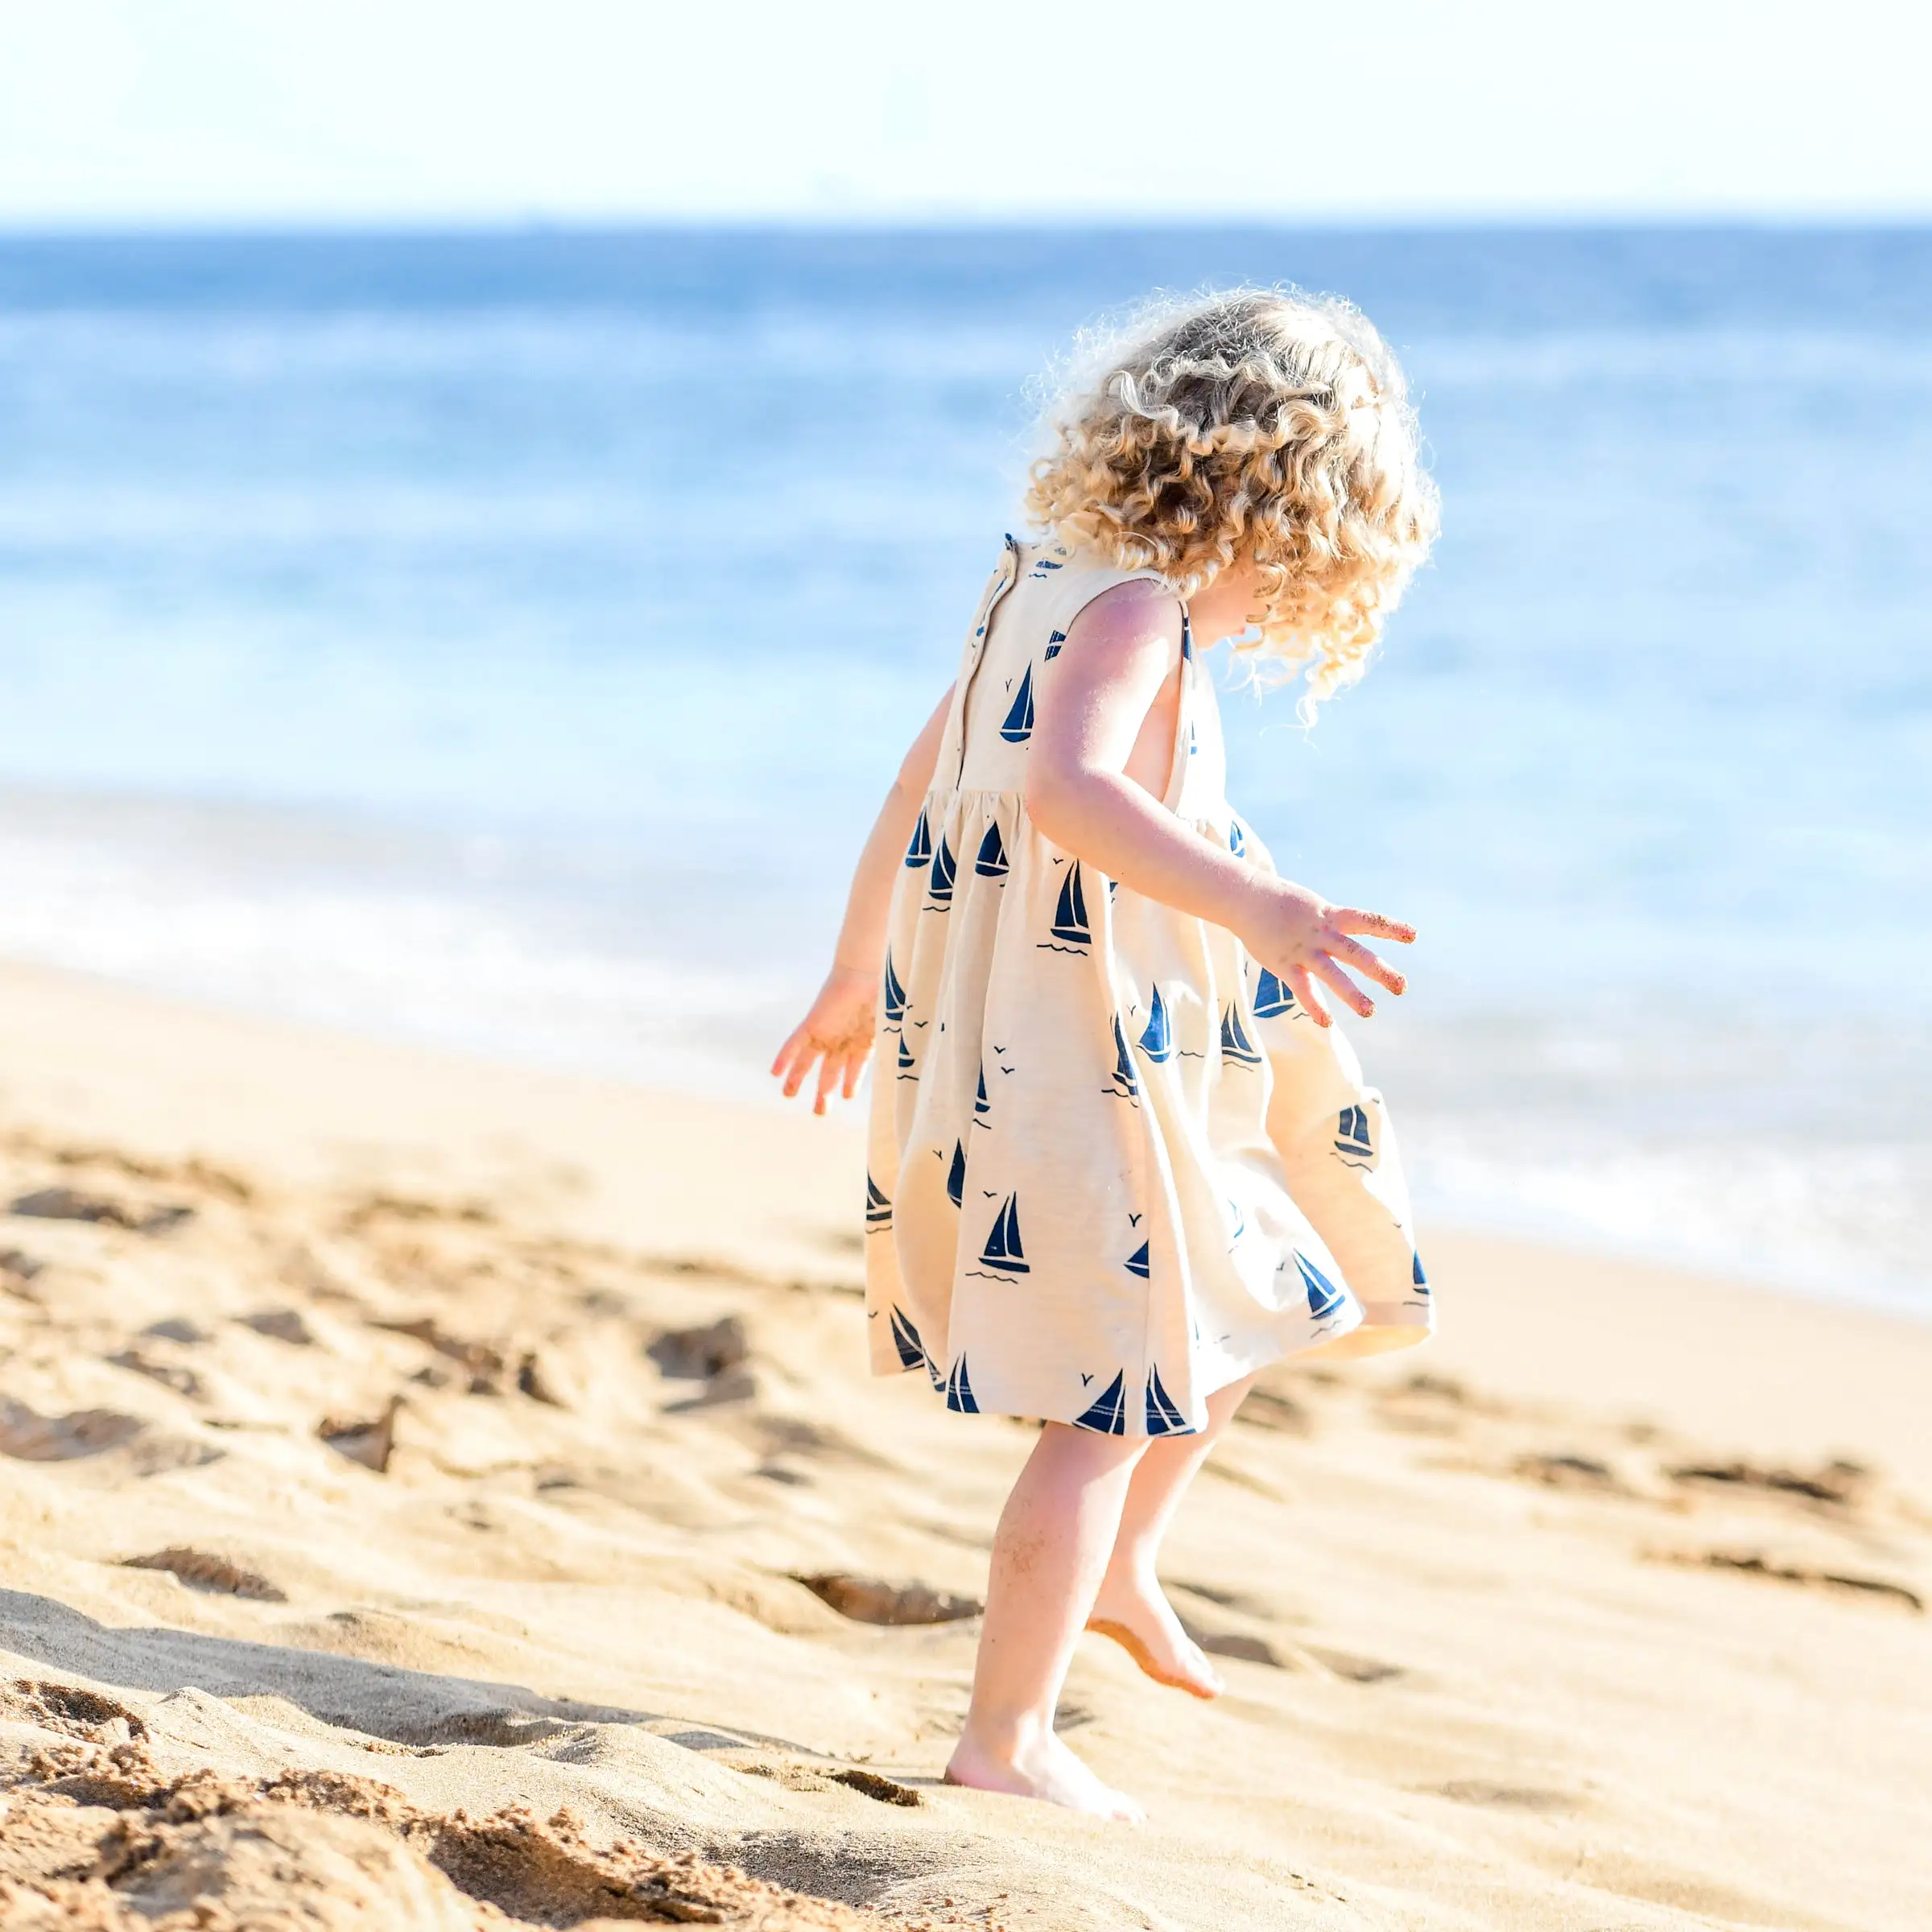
{"x":406,"y":1467}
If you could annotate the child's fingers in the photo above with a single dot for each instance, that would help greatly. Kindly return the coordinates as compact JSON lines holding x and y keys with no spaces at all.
{"x":1303,"y":988}
{"x":801,"y":1066}
{"x":1352,"y":919}
{"x":854,"y":1066}
{"x":783,"y":1057}
{"x":828,"y":1079}
{"x":1350,"y":994}
{"x":1361,"y":960}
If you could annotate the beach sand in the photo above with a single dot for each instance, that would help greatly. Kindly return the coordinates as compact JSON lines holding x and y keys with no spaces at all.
{"x":431,"y":1491}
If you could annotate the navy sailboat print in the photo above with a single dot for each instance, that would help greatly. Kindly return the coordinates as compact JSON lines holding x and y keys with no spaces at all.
{"x":1138,"y":1262}
{"x":920,"y":850}
{"x":908,"y":1069}
{"x":1070,"y":915}
{"x":905,"y":1339}
{"x":1236,"y":1045}
{"x":1126,"y":1082}
{"x":1351,"y":1136}
{"x":1422,"y":1280}
{"x":991,"y":862}
{"x":1107,"y":1415}
{"x":1018,"y":727}
{"x":959,"y":1390}
{"x":982,"y":1106}
{"x":1157,"y":1041}
{"x":939,"y":885}
{"x":1054,"y":642}
{"x":878,"y":1210}
{"x":1325,"y":1298}
{"x":1164,"y":1416}
{"x":893,"y":993}
{"x":1271,"y":996}
{"x":956,"y":1175}
{"x":1237,"y":839}
{"x":1003,"y":1250}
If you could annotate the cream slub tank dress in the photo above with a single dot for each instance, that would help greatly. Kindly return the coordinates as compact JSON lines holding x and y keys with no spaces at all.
{"x":1113,"y":1164}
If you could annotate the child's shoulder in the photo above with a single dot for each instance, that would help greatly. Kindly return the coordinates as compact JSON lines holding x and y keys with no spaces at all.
{"x":1129,"y":613}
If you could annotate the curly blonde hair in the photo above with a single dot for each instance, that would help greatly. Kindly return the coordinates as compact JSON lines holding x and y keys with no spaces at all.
{"x":1256,"y":423}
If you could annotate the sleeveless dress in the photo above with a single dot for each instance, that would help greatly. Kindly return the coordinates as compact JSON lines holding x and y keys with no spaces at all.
{"x":1113,"y":1164}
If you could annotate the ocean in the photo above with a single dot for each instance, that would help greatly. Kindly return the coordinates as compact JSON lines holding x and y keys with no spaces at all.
{"x":502,"y":640}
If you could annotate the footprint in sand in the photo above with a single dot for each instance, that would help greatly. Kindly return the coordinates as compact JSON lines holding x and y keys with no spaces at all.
{"x":1505,"y":1797}
{"x":170,"y":1375}
{"x":1754,"y":1563}
{"x":29,"y":1437}
{"x":1838,"y":1484}
{"x":72,"y":1204}
{"x":200,"y":1571}
{"x":371,"y":1444}
{"x":867,"y":1601}
{"x":698,"y":1355}
{"x":282,"y":1325}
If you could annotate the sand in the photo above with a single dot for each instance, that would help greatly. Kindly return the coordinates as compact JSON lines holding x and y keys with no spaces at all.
{"x":437,"y":1495}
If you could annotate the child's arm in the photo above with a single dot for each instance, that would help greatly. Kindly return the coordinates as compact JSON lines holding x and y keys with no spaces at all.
{"x":837,"y":1032}
{"x":1118,"y":662}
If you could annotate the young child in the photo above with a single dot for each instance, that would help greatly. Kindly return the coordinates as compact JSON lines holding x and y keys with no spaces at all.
{"x":1120,"y":1161}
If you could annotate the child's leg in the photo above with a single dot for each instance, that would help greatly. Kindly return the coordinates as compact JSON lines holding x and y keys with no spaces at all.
{"x":1048,"y":1555}
{"x":1131,"y":1607}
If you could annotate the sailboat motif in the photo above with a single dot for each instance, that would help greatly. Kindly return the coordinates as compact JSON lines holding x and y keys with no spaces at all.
{"x":1107,"y":1415}
{"x":982,"y":1106}
{"x":1157,"y":1041}
{"x":1352,"y":1137}
{"x":939,"y":885}
{"x":1003,"y":1250}
{"x":956,"y":1175}
{"x":893,"y":994}
{"x":1138,"y":1262}
{"x":1053,"y":645}
{"x":1126,"y":1084}
{"x":1422,"y":1280}
{"x":1325,"y":1298}
{"x":1237,"y":839}
{"x":959,"y":1390}
{"x":991,"y":862}
{"x":905,"y":1339}
{"x":1164,"y":1416}
{"x":1070,"y":915}
{"x":908,"y":1069}
{"x":919,"y":852}
{"x":1018,"y":727}
{"x":1236,"y":1045}
{"x":1271,"y":996}
{"x":1186,"y":637}
{"x":878,"y":1210}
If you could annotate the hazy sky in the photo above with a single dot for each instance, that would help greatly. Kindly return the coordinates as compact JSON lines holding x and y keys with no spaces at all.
{"x":406,"y":109}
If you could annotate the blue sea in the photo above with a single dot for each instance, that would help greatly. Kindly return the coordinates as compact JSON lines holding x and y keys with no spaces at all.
{"x":503,"y":640}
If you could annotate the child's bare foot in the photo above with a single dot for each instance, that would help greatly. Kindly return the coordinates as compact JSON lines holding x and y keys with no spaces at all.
{"x":1135,"y":1612}
{"x":1040,"y":1767}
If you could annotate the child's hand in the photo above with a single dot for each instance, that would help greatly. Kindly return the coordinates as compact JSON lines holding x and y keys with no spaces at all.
{"x":837,"y":1032}
{"x":1300,"y":938}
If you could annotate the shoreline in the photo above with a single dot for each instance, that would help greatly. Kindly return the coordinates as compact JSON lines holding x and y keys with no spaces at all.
{"x":404,"y":1439}
{"x":744,"y":1089}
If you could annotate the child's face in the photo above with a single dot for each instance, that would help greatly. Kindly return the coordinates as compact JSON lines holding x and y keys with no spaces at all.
{"x":1228,"y":605}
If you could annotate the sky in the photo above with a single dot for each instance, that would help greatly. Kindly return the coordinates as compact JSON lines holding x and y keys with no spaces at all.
{"x":118,"y":112}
